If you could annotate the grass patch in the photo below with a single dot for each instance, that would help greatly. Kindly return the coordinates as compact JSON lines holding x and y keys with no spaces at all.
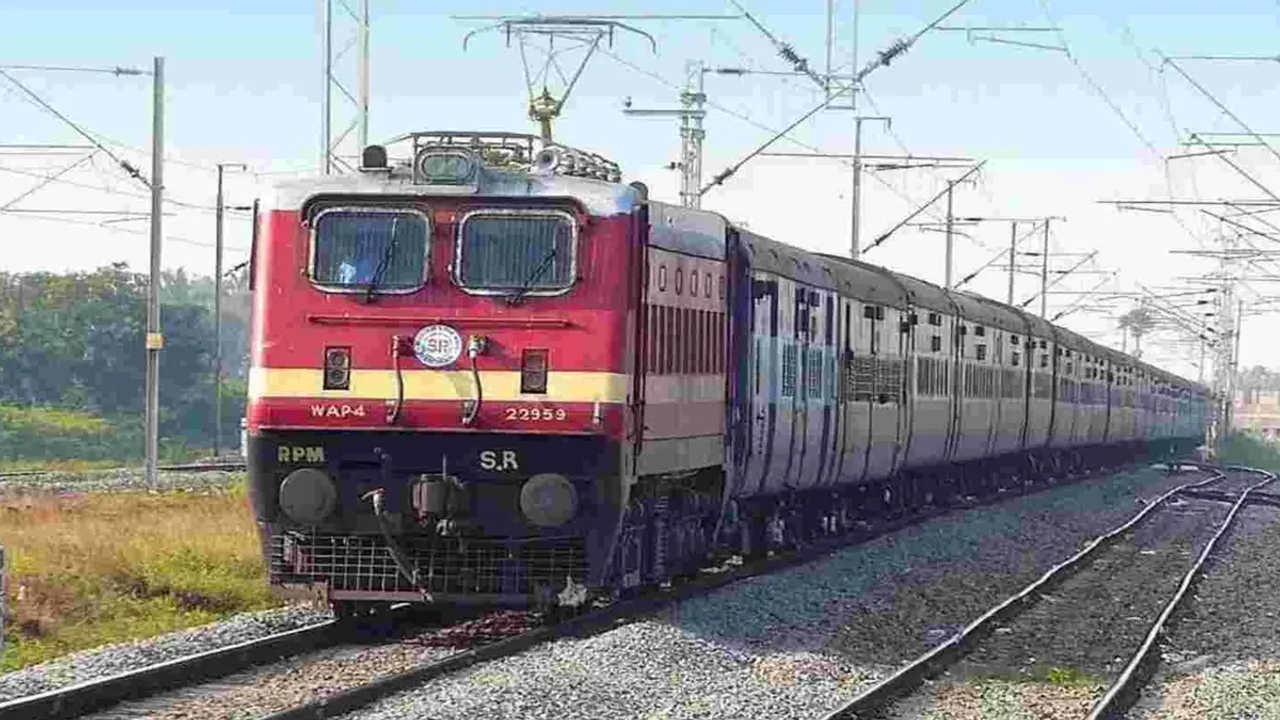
{"x":1067,"y":677}
{"x":101,"y":568}
{"x":1250,"y":450}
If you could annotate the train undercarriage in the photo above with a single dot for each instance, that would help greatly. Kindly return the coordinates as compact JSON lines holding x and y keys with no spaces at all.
{"x":672,"y":527}
{"x":669,"y":533}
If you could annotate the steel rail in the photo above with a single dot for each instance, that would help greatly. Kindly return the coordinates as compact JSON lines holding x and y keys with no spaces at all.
{"x":950,"y":651}
{"x":100,"y":693}
{"x":1259,"y":498}
{"x":611,"y":616}
{"x":76,"y":700}
{"x":1122,"y":693}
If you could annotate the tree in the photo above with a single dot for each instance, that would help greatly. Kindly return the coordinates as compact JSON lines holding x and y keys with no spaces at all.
{"x":75,"y":341}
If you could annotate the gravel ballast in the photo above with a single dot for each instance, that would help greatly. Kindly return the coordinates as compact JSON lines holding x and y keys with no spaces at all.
{"x":313,"y":676}
{"x":114,"y":480}
{"x":796,"y":643}
{"x":1222,"y":657}
{"x":114,"y":659}
{"x":1084,"y":631}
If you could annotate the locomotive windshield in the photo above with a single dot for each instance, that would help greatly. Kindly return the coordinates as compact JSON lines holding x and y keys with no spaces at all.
{"x":522,"y":251}
{"x":370,"y":247}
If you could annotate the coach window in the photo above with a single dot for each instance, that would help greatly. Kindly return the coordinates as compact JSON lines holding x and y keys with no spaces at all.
{"x":502,"y":251}
{"x":693,"y":283}
{"x":706,"y":284}
{"x":679,"y":280}
{"x":355,"y":249}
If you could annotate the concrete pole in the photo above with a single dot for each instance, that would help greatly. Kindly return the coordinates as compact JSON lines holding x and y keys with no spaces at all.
{"x":854,"y":245}
{"x":217,"y":312}
{"x":1013,"y":256}
{"x":1201,"y":367}
{"x":1044,"y":271}
{"x":326,"y":116}
{"x":217,"y":321}
{"x":155,"y":340}
{"x":950,"y":238}
{"x":1235,"y":365}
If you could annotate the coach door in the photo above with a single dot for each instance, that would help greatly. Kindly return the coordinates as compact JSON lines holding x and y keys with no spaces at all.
{"x":738,"y":290}
{"x":765,"y":380}
{"x":855,"y":392}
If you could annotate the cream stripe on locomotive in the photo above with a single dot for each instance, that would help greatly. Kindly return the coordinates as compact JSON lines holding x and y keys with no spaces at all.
{"x":503,"y":385}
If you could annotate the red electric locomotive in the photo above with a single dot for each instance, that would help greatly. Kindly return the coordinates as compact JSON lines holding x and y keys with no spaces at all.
{"x":490,"y":372}
{"x":441,"y":372}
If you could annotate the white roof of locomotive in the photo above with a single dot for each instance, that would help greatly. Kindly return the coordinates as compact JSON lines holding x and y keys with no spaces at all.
{"x":599,"y":197}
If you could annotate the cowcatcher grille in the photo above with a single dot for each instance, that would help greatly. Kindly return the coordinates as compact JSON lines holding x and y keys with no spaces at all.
{"x":444,"y":565}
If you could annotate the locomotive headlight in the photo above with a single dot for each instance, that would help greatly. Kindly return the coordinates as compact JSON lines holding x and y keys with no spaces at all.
{"x":337,"y":368}
{"x":307,"y":496}
{"x":548,"y":500}
{"x":533,"y":371}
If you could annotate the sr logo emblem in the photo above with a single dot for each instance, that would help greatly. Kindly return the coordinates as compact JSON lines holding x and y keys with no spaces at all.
{"x":499,"y":460}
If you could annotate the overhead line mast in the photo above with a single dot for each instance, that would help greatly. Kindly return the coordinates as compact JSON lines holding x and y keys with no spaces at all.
{"x":331,"y":158}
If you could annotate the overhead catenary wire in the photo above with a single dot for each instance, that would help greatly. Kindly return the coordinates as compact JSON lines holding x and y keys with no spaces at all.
{"x":98,"y":138}
{"x":1058,"y":279}
{"x":1225,"y":110}
{"x":785,"y":50}
{"x":886,"y":235}
{"x":47,"y":180}
{"x":111,"y":228}
{"x":882,"y":59}
{"x":1243,"y":173}
{"x":1115,"y":108}
{"x":125,"y":165}
{"x":1035,"y":227}
{"x":113,"y":191}
{"x":746,"y":118}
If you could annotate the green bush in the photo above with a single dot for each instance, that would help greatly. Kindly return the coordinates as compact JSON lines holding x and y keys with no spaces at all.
{"x":44,"y":433}
{"x":1250,"y":450}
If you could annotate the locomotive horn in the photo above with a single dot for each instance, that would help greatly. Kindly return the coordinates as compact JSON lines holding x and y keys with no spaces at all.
{"x":546,"y":161}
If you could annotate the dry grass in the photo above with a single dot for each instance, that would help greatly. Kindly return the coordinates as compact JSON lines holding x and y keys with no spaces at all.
{"x":91,"y":569}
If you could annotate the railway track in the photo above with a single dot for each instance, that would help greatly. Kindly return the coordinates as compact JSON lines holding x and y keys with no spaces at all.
{"x":1124,"y":687}
{"x":220,"y":466}
{"x":208,"y":667}
{"x":76,"y":700}
{"x":95,"y":695}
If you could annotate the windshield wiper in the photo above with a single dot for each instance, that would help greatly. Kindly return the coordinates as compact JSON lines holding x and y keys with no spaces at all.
{"x":514,"y":298}
{"x":382,"y":264}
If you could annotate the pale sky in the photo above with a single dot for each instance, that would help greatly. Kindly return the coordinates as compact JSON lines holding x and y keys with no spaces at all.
{"x":244,"y":85}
